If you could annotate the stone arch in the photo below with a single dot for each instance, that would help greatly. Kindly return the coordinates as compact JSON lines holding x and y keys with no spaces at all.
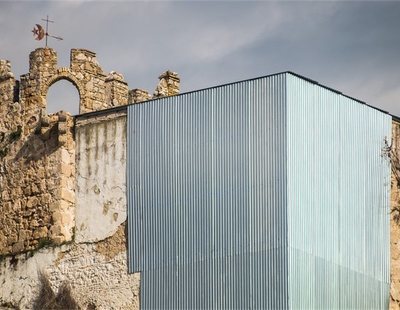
{"x":65,"y":74}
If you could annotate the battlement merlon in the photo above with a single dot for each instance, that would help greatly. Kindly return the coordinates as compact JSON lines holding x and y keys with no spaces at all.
{"x":168,"y":85}
{"x":5,"y":70}
{"x":85,"y":60}
{"x":97,"y":90}
{"x":9,"y":86}
{"x":117,"y":91}
{"x":42,"y":61}
{"x":9,"y":98}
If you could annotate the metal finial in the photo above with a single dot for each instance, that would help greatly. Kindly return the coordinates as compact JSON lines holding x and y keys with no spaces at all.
{"x":39,"y":33}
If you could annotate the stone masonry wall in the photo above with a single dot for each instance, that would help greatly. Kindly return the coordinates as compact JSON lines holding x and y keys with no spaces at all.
{"x":94,"y":263}
{"x":395,"y":219}
{"x":33,"y":192}
{"x":37,"y":151}
{"x":168,"y":85}
{"x":34,"y":148}
{"x":62,"y":184}
{"x":10,"y":109}
{"x":116,"y":90}
{"x":95,"y":272}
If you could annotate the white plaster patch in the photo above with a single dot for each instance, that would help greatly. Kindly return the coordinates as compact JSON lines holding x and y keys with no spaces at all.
{"x":93,"y":278}
{"x":101,"y":184}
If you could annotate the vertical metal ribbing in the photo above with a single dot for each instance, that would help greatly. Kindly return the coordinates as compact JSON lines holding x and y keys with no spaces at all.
{"x":338,"y":185}
{"x":268,"y":193}
{"x":207,"y":213}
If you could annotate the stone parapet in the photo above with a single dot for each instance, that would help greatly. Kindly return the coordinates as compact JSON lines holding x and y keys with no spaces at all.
{"x":43,"y":62}
{"x":10,"y":109}
{"x":116,"y":89}
{"x":34,"y":182}
{"x":138,"y":95}
{"x":5,"y":70}
{"x":168,"y":85}
{"x":51,"y":212}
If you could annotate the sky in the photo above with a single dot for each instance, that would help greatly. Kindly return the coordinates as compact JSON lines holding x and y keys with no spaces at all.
{"x":353,"y":47}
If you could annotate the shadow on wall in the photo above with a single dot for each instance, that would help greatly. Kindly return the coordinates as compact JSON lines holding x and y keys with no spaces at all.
{"x":48,"y":299}
{"x":35,"y":147}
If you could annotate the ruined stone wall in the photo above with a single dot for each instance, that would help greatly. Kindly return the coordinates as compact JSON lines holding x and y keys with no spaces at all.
{"x":395,"y":219}
{"x":117,"y":91}
{"x":34,"y":148}
{"x":62,"y":184}
{"x":138,"y":95}
{"x":36,"y":200}
{"x":10,"y":109}
{"x":96,"y":273}
{"x":37,"y":151}
{"x":168,"y":85}
{"x":94,"y":264}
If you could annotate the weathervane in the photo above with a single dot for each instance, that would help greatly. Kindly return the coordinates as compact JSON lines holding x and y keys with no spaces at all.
{"x":39,"y":33}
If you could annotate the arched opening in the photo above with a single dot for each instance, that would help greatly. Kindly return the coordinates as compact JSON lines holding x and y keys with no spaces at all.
{"x":63,"y":95}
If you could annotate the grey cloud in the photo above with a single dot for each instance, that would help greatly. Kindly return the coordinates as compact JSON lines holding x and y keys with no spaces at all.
{"x":350,"y":46}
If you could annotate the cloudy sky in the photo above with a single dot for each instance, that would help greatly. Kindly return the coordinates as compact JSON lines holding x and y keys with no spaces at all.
{"x":350,"y":46}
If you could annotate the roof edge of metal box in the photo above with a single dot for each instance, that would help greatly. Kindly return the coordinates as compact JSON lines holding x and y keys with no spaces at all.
{"x":121,"y":108}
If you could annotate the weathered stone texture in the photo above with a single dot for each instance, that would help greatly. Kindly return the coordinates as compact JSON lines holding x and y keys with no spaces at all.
{"x":168,"y":85}
{"x":116,"y":89}
{"x":138,"y":95}
{"x":45,"y":200}
{"x":10,"y":109}
{"x":96,"y":90}
{"x":395,"y":219}
{"x":30,"y":183}
{"x":96,"y":272}
{"x":37,"y":151}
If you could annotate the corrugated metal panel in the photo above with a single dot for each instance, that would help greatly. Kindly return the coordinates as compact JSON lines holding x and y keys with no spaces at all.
{"x":239,"y":198}
{"x":207,"y":196}
{"x":338,"y":200}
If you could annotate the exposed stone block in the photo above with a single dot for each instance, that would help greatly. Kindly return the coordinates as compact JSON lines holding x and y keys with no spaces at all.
{"x":67,"y":195}
{"x":5,"y":70}
{"x":37,"y":166}
{"x":138,"y":95}
{"x":18,"y":247}
{"x":168,"y":85}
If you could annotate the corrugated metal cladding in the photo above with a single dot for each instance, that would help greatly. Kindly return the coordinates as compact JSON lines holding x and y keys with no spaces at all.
{"x":268,"y":193}
{"x":338,"y":187}
{"x":207,"y":197}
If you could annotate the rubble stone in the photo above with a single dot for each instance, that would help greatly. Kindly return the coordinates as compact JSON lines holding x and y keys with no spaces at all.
{"x":38,"y":171}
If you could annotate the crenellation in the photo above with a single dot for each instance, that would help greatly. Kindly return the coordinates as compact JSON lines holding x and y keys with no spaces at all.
{"x":138,"y":95}
{"x":168,"y":85}
{"x":5,"y":70}
{"x":10,"y":110}
{"x":42,"y":61}
{"x":37,"y":150}
{"x":39,"y":156}
{"x":117,"y":91}
{"x":85,"y":60}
